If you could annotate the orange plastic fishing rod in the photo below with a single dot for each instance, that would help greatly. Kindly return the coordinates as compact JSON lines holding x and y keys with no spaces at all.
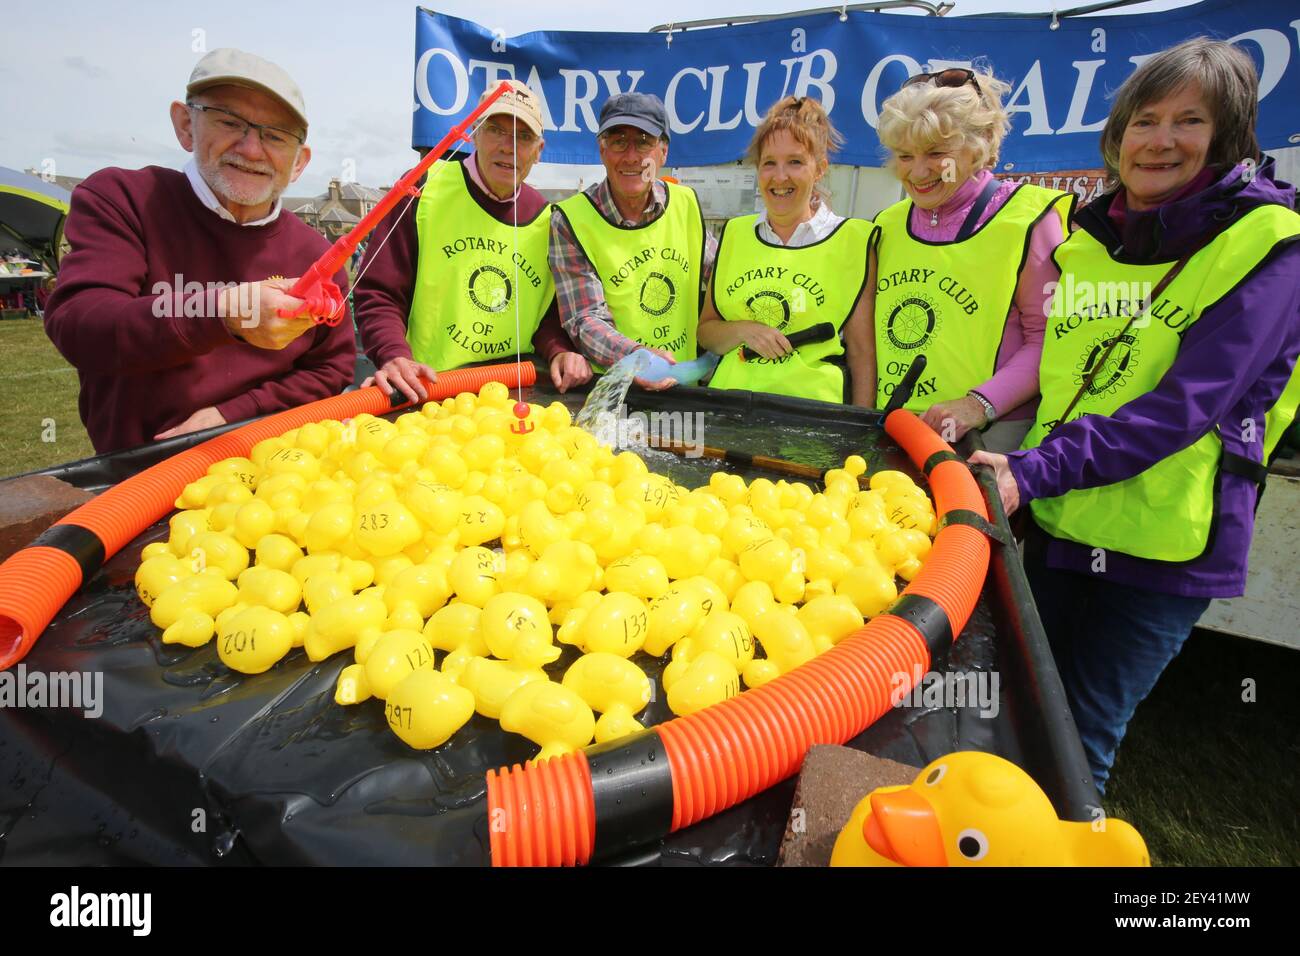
{"x":548,"y":814}
{"x":327,"y":306}
{"x":38,"y":580}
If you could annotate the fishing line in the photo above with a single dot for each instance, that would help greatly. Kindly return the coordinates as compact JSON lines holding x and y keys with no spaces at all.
{"x":519,"y":188}
{"x":368,"y":261}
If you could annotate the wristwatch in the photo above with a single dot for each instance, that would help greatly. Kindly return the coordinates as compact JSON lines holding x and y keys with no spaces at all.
{"x":990,"y":413}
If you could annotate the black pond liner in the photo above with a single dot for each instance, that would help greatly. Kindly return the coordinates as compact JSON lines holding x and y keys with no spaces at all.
{"x":193,"y":764}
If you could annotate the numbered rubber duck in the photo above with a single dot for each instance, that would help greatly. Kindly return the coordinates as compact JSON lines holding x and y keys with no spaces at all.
{"x":723,"y":633}
{"x":254,"y":639}
{"x":673,"y":615}
{"x":617,"y":623}
{"x":393,"y":657}
{"x":708,"y":679}
{"x":978,"y":809}
{"x":426,"y":708}
{"x":517,"y":629}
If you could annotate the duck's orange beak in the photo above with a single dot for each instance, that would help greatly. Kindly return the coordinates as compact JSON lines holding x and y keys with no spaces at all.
{"x":902,"y":827}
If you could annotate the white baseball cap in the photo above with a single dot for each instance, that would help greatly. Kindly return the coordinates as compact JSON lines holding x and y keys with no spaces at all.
{"x":230,"y":67}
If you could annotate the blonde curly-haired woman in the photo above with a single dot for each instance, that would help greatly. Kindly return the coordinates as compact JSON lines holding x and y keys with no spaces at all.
{"x":964,"y":261}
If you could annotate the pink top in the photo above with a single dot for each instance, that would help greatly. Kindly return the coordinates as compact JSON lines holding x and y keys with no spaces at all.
{"x":1013,"y":389}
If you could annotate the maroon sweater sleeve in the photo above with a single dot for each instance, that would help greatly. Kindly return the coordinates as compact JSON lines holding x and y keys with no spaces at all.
{"x":135,"y":310}
{"x":325,"y":369}
{"x":97,"y":317}
{"x":550,"y":339}
{"x":387,"y":286}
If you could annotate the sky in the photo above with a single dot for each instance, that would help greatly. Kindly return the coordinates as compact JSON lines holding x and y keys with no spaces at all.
{"x":86,"y":84}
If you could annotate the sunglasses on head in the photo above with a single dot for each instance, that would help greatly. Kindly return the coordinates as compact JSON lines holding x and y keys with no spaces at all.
{"x":953,"y":78}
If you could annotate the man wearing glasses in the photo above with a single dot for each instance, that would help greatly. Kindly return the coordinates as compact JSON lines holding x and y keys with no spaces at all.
{"x":163,"y":303}
{"x":462,"y":278}
{"x":630,"y":253}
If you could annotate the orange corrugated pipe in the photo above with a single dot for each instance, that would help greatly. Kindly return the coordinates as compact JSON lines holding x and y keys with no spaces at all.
{"x":38,"y":580}
{"x":546,"y":814}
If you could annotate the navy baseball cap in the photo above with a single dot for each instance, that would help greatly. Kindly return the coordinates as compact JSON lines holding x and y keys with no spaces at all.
{"x":645,"y":111}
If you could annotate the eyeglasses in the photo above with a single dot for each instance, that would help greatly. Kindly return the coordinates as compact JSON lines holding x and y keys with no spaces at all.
{"x":273,"y":137}
{"x":954,"y":78}
{"x":522,"y":137}
{"x":642,"y":142}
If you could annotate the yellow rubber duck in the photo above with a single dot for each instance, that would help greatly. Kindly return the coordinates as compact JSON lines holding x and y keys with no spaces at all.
{"x":267,"y":587}
{"x":277,"y":552}
{"x":158,"y":573}
{"x":516,"y":628}
{"x":831,"y":616}
{"x":708,"y":679}
{"x":212,"y":549}
{"x":208,"y":592}
{"x":673,"y":615}
{"x":723,"y":633}
{"x":426,"y":708}
{"x":977,"y":809}
{"x":491,"y":681}
{"x":325,"y":588}
{"x":394,"y":656}
{"x":615,"y":688}
{"x":424,"y":585}
{"x":551,"y":715}
{"x":766,"y":559}
{"x":253,"y":640}
{"x":456,"y":626}
{"x":339,"y":626}
{"x":617,"y":623}
{"x":869,"y":586}
{"x":473,"y":575}
{"x":784,"y":639}
{"x":640,"y":574}
{"x":193,"y":628}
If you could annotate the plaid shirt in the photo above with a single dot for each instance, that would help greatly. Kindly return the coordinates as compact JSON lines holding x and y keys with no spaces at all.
{"x":581,"y":297}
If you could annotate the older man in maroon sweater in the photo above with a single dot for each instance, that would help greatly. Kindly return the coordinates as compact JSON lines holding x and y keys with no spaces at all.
{"x":417,"y":303}
{"x":164,"y":305}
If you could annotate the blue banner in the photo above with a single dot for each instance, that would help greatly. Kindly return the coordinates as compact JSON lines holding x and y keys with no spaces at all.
{"x":718,"y":82}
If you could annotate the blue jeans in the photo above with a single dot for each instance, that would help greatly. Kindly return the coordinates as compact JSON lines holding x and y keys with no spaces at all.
{"x":1111,"y":642}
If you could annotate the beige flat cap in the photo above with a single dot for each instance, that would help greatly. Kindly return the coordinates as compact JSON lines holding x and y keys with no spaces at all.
{"x":520,"y":102}
{"x":228,"y":66}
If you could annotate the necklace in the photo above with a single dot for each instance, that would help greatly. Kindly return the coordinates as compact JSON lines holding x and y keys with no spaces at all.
{"x":934,"y":217}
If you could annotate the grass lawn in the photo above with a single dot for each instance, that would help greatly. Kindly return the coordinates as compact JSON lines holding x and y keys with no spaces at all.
{"x":1206,"y":777}
{"x":1210,"y":779}
{"x":39,"y":424}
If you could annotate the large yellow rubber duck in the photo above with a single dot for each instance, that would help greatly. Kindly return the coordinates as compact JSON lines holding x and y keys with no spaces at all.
{"x":977,"y":809}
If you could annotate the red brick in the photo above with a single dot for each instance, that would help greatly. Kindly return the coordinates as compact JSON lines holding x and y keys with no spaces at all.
{"x":831,"y":782}
{"x":30,"y":505}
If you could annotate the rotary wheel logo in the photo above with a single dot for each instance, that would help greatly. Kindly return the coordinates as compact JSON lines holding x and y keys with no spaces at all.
{"x":1117,"y":363}
{"x":769,"y":307}
{"x":489,"y":288}
{"x":911,"y":323}
{"x":657,"y":294}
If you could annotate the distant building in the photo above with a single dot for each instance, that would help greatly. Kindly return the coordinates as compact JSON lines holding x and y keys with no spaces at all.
{"x":338,"y":210}
{"x":66,"y":182}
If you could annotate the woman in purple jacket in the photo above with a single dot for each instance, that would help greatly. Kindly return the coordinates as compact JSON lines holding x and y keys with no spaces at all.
{"x":1168,"y":376}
